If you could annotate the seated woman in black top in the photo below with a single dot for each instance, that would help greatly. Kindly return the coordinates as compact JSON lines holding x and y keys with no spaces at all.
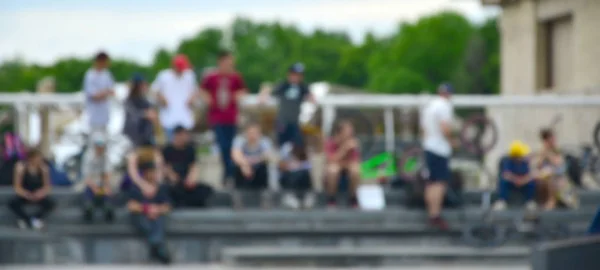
{"x":32,"y":185}
{"x":181,"y":171}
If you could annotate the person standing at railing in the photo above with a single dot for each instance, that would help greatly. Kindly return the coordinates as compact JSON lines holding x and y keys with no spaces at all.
{"x":221,"y":90}
{"x":436,"y":121}
{"x":290,"y":94}
{"x":98,"y":85}
{"x":140,"y":117}
{"x":176,"y":94}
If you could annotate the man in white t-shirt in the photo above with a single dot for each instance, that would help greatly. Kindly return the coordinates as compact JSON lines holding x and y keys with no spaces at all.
{"x":176,"y":94}
{"x":98,"y":86}
{"x":436,"y":120}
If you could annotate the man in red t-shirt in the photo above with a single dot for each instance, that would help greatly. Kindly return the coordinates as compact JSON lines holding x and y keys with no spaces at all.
{"x":221,"y":90}
{"x":343,"y":155}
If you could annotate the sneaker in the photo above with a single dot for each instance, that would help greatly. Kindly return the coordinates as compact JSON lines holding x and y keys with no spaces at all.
{"x":439,"y":223}
{"x":353,"y":202}
{"x":331,"y":202}
{"x":109,"y":216}
{"x":22,"y":224}
{"x":531,"y":206}
{"x":309,"y":200}
{"x":160,"y":253}
{"x":37,"y":224}
{"x":290,"y":201}
{"x":499,"y":205}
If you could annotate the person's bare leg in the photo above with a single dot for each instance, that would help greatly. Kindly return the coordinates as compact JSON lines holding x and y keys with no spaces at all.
{"x":434,"y":198}
{"x":331,"y":182}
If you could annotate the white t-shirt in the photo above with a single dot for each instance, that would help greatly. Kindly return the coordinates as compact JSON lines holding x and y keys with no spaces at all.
{"x":94,"y":82}
{"x":438,"y":110}
{"x":177,"y":90}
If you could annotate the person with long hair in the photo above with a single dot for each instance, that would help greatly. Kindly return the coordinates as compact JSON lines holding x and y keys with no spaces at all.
{"x":139,"y":114}
{"x":295,"y":176}
{"x":146,"y":152}
{"x":343,"y":157}
{"x":32,"y":186}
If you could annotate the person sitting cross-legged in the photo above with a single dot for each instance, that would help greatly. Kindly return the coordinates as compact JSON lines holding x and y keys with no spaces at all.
{"x":516,"y":174}
{"x":148,"y":212}
{"x":32,"y":186}
{"x":181,"y":171}
{"x":251,"y":153}
{"x":97,"y":174}
{"x":343,"y":156}
{"x":295,"y":176}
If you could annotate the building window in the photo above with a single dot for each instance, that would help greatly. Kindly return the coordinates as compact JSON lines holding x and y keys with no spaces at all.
{"x":556,"y":54}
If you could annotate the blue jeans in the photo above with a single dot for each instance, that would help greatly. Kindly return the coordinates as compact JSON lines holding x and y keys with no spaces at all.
{"x":289,"y":132}
{"x":505,"y":187}
{"x":224,"y":135}
{"x":152,"y":229}
{"x":90,"y":200}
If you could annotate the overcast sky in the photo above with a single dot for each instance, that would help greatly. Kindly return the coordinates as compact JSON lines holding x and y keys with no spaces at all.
{"x":42,"y":31}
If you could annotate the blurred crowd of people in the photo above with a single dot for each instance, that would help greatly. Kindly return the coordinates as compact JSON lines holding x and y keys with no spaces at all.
{"x":160,"y":176}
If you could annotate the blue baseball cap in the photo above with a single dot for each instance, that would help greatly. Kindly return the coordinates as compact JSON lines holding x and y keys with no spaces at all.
{"x":446,"y":88}
{"x":296,"y":68}
{"x":137,"y":78}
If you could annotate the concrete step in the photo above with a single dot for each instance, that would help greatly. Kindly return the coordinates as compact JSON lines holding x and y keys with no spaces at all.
{"x":366,"y":256}
{"x":68,"y":197}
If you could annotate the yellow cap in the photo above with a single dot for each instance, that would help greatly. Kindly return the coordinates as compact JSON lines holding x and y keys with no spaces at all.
{"x":518,"y":149}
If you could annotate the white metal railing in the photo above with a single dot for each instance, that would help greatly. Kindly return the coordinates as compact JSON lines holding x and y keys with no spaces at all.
{"x":330,"y":102}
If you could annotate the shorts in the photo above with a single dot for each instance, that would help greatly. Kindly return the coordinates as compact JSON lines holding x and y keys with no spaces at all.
{"x":438,"y":167}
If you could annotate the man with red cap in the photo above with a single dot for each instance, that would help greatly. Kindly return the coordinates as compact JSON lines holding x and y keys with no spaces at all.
{"x":221,"y":90}
{"x":176,"y":90}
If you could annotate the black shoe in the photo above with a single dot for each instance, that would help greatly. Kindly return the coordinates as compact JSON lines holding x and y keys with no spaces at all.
{"x":109,"y":216}
{"x":160,"y":253}
{"x":353,"y":202}
{"x":88,"y":215}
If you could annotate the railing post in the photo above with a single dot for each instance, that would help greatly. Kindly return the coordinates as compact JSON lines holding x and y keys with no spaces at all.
{"x":390,"y":138}
{"x":328,"y":119}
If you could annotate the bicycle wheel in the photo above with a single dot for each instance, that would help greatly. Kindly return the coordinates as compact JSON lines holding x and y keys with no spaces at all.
{"x":596,"y":135}
{"x":479,"y":134}
{"x":484,"y":234}
{"x":411,"y":164}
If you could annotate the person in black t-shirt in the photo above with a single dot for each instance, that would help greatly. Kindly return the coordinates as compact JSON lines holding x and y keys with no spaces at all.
{"x":182,"y":171}
{"x":148,"y":212}
{"x":291,"y":94}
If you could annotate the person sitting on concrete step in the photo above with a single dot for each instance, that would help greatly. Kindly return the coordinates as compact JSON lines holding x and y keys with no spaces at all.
{"x":97,"y":174}
{"x":295,"y":176}
{"x":32,"y":186}
{"x":251,"y":153}
{"x":516,"y":175}
{"x":148,"y":212}
{"x":343,"y":156}
{"x":182,"y":171}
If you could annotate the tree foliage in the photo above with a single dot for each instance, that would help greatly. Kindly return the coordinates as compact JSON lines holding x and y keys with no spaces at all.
{"x":444,"y":47}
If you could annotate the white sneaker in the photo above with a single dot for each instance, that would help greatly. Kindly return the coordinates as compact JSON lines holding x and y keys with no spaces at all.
{"x":37,"y":224}
{"x":531,"y":206}
{"x":290,"y":201}
{"x":499,"y":205}
{"x":309,"y":200}
{"x":22,"y":224}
